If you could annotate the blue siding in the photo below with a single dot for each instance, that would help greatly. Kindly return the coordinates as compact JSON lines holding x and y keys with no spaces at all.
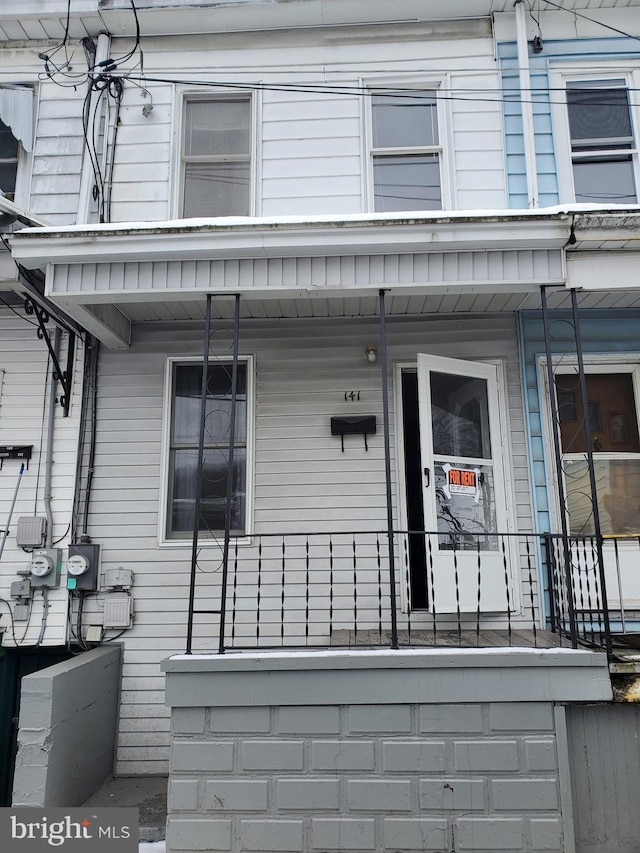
{"x":554,"y":53}
{"x":602,"y":332}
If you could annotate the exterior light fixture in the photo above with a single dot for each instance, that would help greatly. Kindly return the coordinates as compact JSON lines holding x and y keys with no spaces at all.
{"x":371,"y":354}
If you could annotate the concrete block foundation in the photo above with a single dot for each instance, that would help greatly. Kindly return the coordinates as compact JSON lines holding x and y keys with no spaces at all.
{"x":427,"y":751}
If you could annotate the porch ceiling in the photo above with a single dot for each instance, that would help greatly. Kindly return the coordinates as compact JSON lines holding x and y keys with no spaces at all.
{"x":99,"y":318}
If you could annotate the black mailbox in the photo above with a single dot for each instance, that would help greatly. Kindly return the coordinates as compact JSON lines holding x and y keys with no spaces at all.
{"x":363,"y":425}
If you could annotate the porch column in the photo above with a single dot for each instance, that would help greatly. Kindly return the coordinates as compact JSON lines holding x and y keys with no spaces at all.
{"x":387,"y":469}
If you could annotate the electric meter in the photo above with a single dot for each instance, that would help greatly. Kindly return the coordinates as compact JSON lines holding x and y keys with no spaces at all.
{"x":77,"y":565}
{"x":41,"y":566}
{"x":44,"y":567}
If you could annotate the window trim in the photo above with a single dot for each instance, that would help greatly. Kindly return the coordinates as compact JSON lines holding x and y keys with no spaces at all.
{"x":164,"y":539}
{"x":190,"y":94}
{"x":437,"y":85}
{"x":563,"y":364}
{"x":560,"y":81}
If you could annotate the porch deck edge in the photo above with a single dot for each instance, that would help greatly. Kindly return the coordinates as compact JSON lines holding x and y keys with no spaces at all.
{"x":406,"y":675}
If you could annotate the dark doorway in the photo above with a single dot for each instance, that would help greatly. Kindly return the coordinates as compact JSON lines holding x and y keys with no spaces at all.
{"x":414,"y":497}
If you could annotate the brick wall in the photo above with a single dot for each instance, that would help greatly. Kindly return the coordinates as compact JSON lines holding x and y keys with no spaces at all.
{"x":369,"y":775}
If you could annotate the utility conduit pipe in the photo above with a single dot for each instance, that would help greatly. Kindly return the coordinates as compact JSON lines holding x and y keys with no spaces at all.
{"x":526,"y":105}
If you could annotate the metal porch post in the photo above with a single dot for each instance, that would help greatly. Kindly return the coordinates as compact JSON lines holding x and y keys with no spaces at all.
{"x":232,"y":439}
{"x":558,"y":461}
{"x":387,"y":468}
{"x":592,"y":474}
{"x":196,"y":511}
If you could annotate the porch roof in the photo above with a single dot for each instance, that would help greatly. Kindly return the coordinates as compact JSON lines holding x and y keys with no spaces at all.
{"x":281,"y":236}
{"x":108,"y":276}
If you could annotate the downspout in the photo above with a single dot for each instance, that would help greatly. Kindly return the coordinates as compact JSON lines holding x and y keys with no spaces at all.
{"x":526,"y":105}
{"x":48,"y":463}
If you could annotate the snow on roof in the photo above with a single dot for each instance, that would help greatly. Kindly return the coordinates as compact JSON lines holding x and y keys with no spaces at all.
{"x":372,"y":219}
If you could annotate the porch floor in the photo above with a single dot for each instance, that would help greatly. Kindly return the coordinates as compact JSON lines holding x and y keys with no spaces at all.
{"x":518,"y":638}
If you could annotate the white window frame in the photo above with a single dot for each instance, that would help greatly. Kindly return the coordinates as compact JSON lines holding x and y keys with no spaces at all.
{"x":188,"y":94}
{"x":603,"y":363}
{"x":559,"y":81}
{"x":164,"y":539}
{"x":437,"y":85}
{"x":25,"y":158}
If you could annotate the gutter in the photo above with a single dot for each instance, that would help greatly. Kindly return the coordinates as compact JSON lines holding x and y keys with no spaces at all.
{"x":246,"y":237}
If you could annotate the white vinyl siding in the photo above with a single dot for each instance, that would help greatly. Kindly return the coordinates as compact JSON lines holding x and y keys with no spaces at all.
{"x":25,"y":366}
{"x":309,"y":150}
{"x":57,"y":155}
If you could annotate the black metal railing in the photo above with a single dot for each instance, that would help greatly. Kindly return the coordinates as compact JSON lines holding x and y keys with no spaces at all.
{"x":332,"y":588}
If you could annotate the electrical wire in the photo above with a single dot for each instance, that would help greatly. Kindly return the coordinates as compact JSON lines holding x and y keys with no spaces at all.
{"x":18,"y":314}
{"x":497,"y":95}
{"x":592,"y":20}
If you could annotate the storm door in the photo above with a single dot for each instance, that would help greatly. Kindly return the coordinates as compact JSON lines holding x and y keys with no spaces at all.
{"x":463,"y":487}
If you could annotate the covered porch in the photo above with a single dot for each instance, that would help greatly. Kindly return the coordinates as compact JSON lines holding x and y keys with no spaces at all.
{"x":376,"y":459}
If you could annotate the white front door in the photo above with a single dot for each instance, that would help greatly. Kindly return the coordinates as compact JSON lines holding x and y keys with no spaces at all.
{"x":463,"y":485}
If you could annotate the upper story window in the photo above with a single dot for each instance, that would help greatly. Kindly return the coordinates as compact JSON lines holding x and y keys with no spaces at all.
{"x":16,"y":135}
{"x":9,"y":154}
{"x":406,"y":151}
{"x":603,"y":146}
{"x":216,"y":157}
{"x":184,"y":432}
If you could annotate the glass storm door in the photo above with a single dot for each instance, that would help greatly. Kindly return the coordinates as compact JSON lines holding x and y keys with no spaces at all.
{"x":463,"y":484}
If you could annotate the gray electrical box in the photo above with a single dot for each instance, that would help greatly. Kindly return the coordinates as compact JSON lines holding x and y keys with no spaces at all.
{"x":82,"y":567}
{"x":31,"y":532}
{"x":118,"y":610}
{"x":44,"y":567}
{"x":118,"y":578}
{"x":21,"y":589}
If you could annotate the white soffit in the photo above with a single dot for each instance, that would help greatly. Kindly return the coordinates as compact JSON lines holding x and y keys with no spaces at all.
{"x":16,"y":111}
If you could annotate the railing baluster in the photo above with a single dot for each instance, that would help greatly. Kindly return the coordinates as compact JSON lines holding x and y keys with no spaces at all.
{"x":355,"y":589}
{"x":330,"y":588}
{"x":234,"y":597}
{"x":479,"y":591}
{"x":379,"y":564}
{"x":457,"y":583}
{"x":259,"y":592}
{"x":623,"y":617}
{"x":408,"y":585}
{"x":563,"y":577}
{"x":432,"y":597}
{"x":596,"y":587}
{"x":282,"y":591}
{"x":306,"y":611}
{"x":588,"y":588}
{"x":507,"y":587}
{"x":581,"y":586}
{"x":532,"y":597}
{"x":548,"y":574}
